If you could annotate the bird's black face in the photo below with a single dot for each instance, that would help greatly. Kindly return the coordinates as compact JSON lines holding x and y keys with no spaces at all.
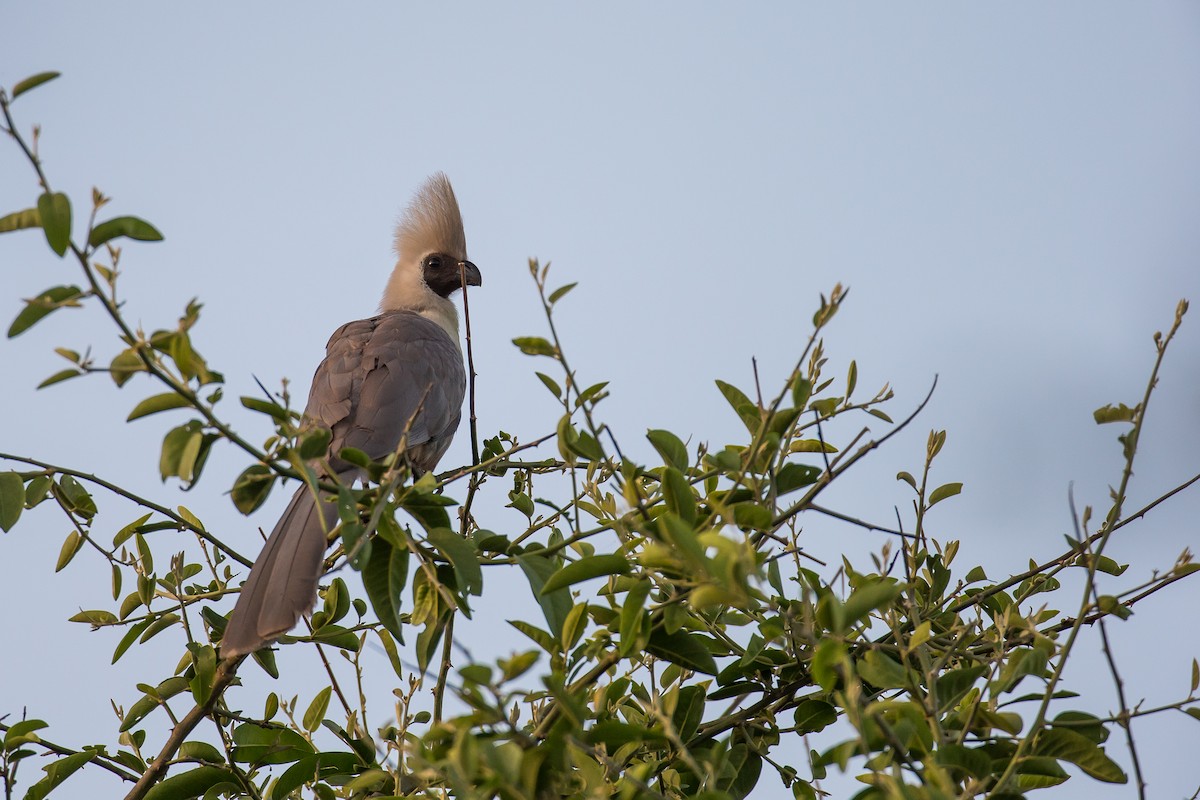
{"x":444,"y":274}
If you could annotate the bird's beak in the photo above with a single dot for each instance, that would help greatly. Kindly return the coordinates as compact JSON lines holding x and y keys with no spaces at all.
{"x":470,"y":274}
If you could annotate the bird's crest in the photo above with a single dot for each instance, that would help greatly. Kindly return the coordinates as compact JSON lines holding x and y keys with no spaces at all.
{"x":431,"y":223}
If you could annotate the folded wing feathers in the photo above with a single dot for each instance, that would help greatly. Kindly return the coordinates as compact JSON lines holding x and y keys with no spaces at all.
{"x":383,"y":378}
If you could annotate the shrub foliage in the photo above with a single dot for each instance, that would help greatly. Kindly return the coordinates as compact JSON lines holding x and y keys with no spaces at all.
{"x":678,"y":640}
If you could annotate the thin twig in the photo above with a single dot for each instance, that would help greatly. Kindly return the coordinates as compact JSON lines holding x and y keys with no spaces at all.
{"x":102,"y":761}
{"x":180,"y":521}
{"x":225,"y":674}
{"x":462,"y":270}
{"x":827,"y":478}
{"x":829,"y":512}
{"x":1130,"y":441}
{"x":439,"y":689}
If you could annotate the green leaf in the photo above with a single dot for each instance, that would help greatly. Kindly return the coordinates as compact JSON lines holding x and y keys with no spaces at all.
{"x":22,"y":732}
{"x":54,"y":209}
{"x":157,"y":403}
{"x":814,"y":715}
{"x":1087,"y":725}
{"x":555,"y":605}
{"x":801,"y":391}
{"x":1069,"y":746}
{"x":573,"y":628}
{"x":316,"y":709}
{"x":560,"y":292}
{"x":59,"y":377}
{"x":273,"y":410}
{"x":153,"y":698}
{"x":337,"y":636}
{"x":1021,"y":662}
{"x":689,"y":710}
{"x":356,"y":543}
{"x":867,"y":598}
{"x":462,"y":556}
{"x":314,"y":443}
{"x":193,"y":783}
{"x":677,"y":493}
{"x":882,"y":671}
{"x":32,"y":82}
{"x":811,"y":446}
{"x":634,"y":622}
{"x":585,"y":445}
{"x":12,"y":499}
{"x":585,"y":569}
{"x":746,"y":410}
{"x":201,"y":751}
{"x":180,"y":448}
{"x":50,"y":300}
{"x":593,"y":394}
{"x":384,"y":578}
{"x":825,"y":406}
{"x":685,"y":649}
{"x":1039,"y":772}
{"x":975,"y":763}
{"x":254,"y":744}
{"x":124,"y":365}
{"x":76,"y":498}
{"x":791,"y":477}
{"x":535,"y":346}
{"x":1118,"y":413}
{"x":539,"y":636}
{"x":669,"y":446}
{"x":190,"y":518}
{"x":828,"y":657}
{"x":614,"y":734}
{"x":95,"y":618}
{"x":550,"y":383}
{"x":1112,"y":605}
{"x":953,"y":686}
{"x":294,"y":777}
{"x":70,"y":547}
{"x":57,"y":772}
{"x":130,"y":227}
{"x":19,"y":220}
{"x":742,"y":769}
{"x":252,"y":488}
{"x":876,"y":412}
{"x":752,"y":516}
{"x":135,"y":527}
{"x":428,"y":509}
{"x":942,"y":492}
{"x":132,"y":635}
{"x":204,"y":662}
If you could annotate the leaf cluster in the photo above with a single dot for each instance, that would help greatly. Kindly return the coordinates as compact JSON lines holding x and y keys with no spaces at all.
{"x":678,"y":638}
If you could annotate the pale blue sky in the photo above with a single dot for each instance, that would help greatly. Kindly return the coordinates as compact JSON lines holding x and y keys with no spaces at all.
{"x":1012,"y":192}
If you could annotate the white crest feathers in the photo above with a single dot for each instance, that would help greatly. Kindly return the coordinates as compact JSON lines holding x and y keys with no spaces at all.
{"x":431,"y":224}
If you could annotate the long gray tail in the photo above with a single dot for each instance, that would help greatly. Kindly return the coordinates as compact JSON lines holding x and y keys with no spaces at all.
{"x":283,"y":581}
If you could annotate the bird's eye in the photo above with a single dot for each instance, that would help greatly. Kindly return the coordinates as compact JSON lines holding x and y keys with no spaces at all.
{"x":433,"y":262}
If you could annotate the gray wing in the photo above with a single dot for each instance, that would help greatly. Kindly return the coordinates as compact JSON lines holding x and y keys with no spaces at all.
{"x":386,"y":375}
{"x":380,"y":377}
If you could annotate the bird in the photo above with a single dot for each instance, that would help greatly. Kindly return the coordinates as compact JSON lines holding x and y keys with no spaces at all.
{"x":395,"y":380}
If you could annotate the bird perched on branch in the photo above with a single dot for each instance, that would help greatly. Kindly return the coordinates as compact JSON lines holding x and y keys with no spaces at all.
{"x":398,"y":375}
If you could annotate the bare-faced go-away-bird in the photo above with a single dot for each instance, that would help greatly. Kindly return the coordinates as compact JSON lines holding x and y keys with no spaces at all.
{"x":394,"y":380}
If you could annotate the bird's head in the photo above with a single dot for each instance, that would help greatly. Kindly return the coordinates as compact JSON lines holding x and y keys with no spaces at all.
{"x":431,"y":251}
